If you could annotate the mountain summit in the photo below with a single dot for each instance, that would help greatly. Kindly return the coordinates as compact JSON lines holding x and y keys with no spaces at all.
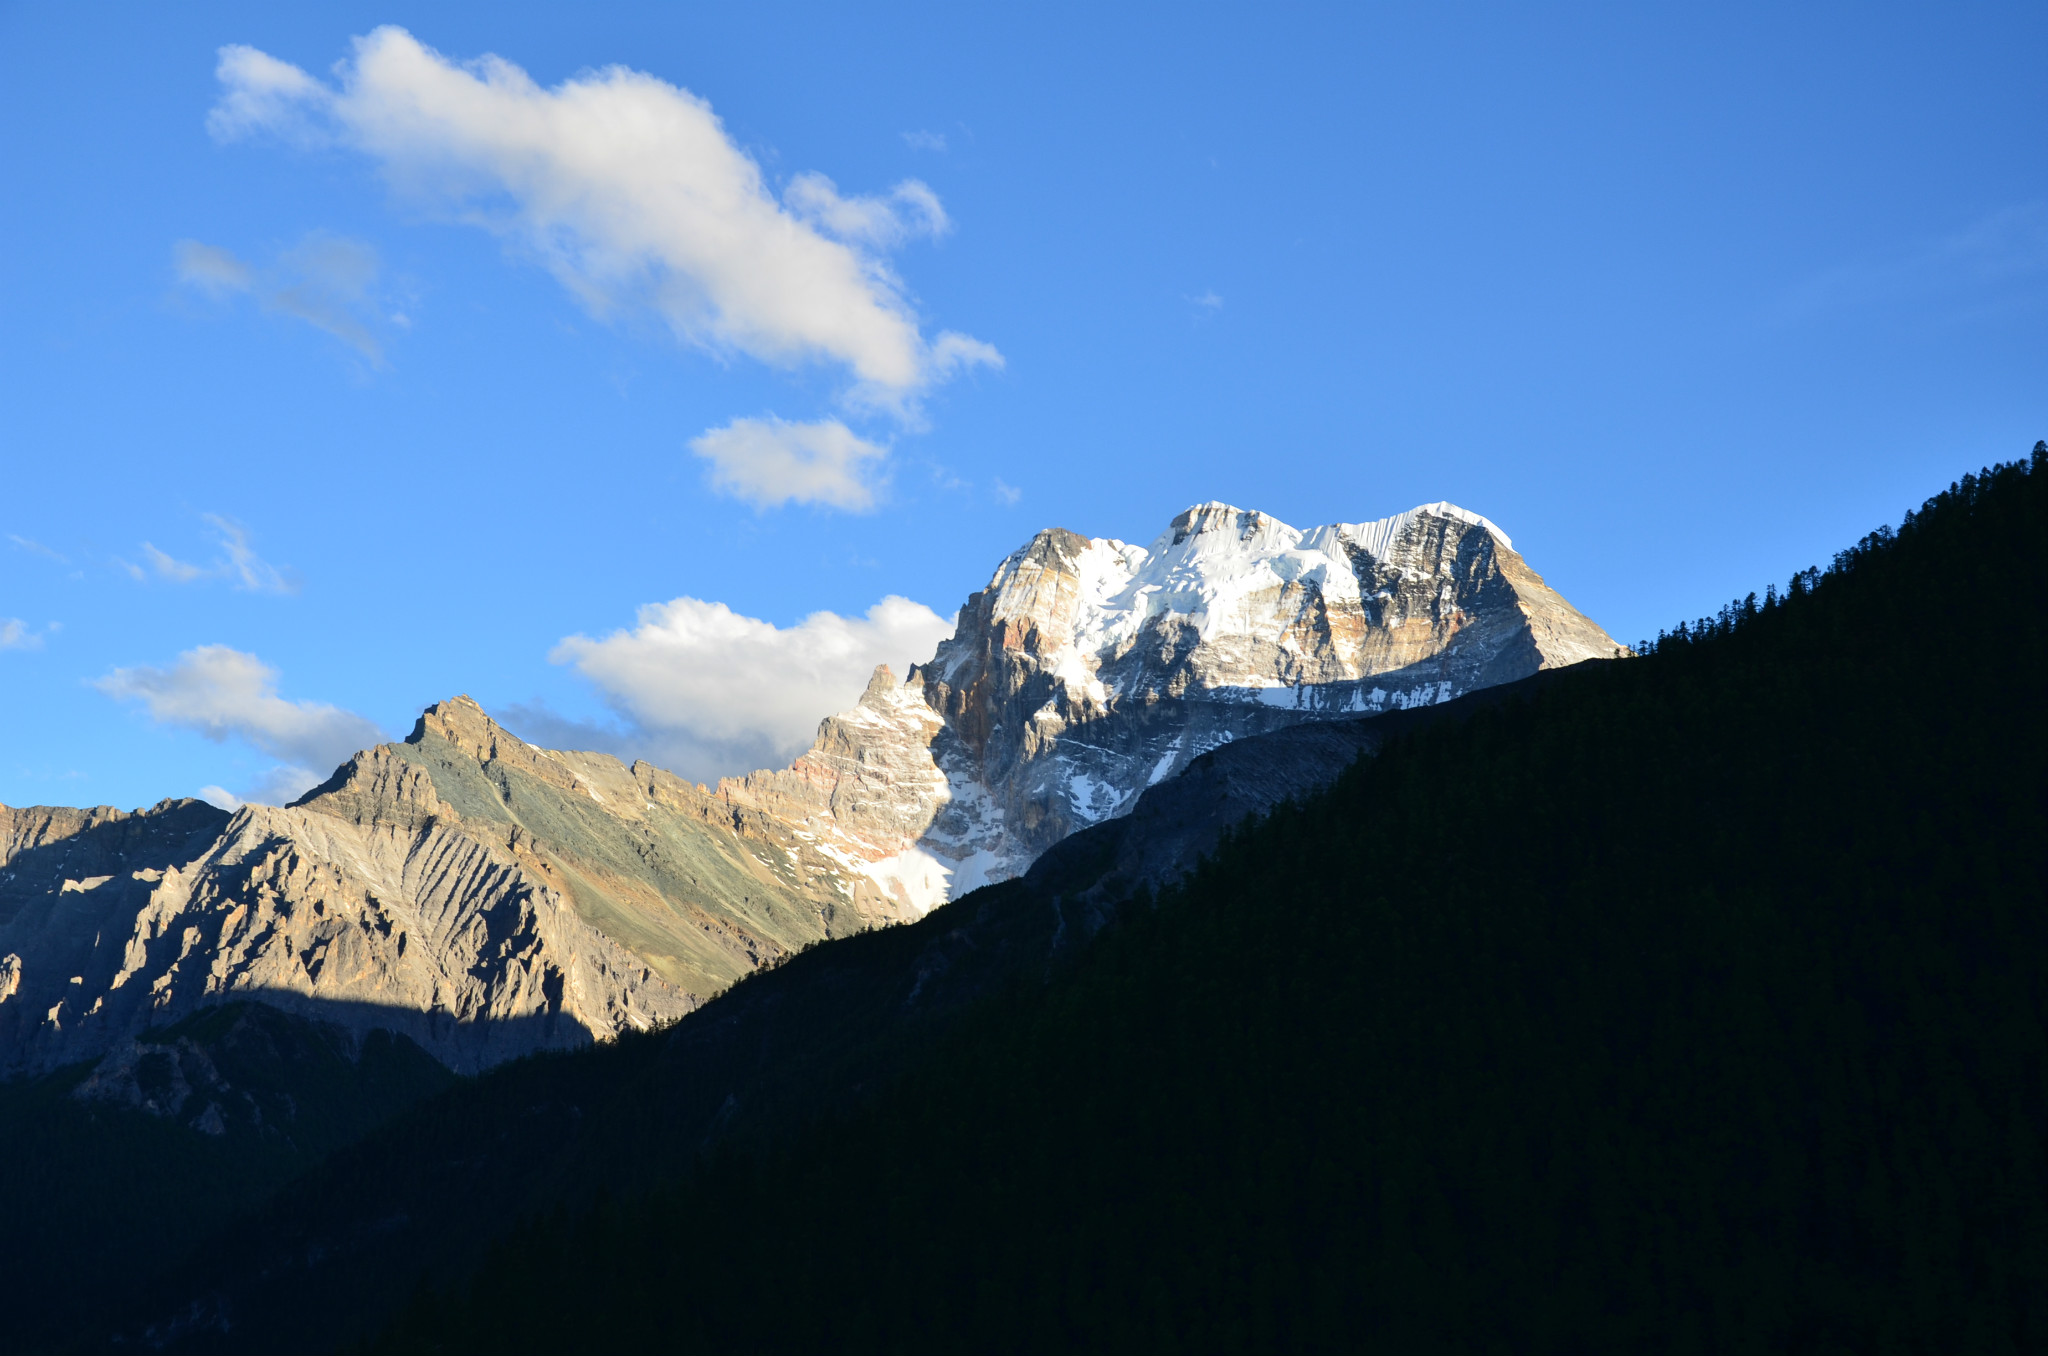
{"x":488,"y":898}
{"x":1089,"y":669}
{"x":481,"y":896}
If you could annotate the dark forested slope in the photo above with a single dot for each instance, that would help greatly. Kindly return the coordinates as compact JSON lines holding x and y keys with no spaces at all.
{"x":198,"y":1122}
{"x":1696,"y":1004}
{"x":421,"y":1198}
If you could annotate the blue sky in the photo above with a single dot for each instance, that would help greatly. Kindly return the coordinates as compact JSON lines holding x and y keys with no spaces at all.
{"x":338,"y":377}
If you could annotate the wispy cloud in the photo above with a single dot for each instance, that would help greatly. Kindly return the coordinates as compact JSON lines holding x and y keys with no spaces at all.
{"x":769,"y":462}
{"x":247,"y":569}
{"x":708,"y":692}
{"x":1009,"y":494}
{"x":325,"y":280}
{"x":36,"y":548}
{"x":630,"y":191}
{"x":907,"y":211}
{"x":225,"y":694}
{"x":237,"y":562}
{"x":16,"y":635}
{"x":2001,"y":260}
{"x":1208,"y":302}
{"x":211,"y":270}
{"x":925,"y":141}
{"x":170,"y":567}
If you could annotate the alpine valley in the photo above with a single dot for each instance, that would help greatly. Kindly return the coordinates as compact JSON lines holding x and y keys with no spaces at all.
{"x":1258,"y":939}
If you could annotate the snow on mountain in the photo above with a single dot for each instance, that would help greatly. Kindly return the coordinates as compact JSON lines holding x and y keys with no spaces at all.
{"x":489,"y":898}
{"x":1088,"y":670}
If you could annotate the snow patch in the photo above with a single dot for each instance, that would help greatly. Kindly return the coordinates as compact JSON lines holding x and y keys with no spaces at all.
{"x":1092,"y":800}
{"x":981,"y":868}
{"x":1378,"y":538}
{"x":913,"y":876}
{"x":1165,"y":763}
{"x":1216,"y":568}
{"x":925,"y":880}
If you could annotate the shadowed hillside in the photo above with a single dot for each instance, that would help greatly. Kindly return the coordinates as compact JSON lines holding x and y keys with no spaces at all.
{"x":1698,"y":1004}
{"x":108,"y":1173}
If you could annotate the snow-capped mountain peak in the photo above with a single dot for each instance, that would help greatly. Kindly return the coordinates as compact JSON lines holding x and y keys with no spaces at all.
{"x":1088,"y":669}
{"x":489,"y":898}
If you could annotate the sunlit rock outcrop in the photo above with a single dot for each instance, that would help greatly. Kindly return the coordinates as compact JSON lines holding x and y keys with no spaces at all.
{"x":1088,"y":670}
{"x":489,"y":898}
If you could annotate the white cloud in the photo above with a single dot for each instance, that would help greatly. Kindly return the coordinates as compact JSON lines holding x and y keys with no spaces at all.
{"x":281,"y":785}
{"x":925,"y":141}
{"x":711,"y":693}
{"x":36,"y":548}
{"x":325,"y":280}
{"x":773,"y":461}
{"x":286,"y":782}
{"x":1208,"y":301}
{"x":249,"y":570}
{"x":1009,"y":494}
{"x":15,"y":635}
{"x":237,"y":562}
{"x":262,"y":93}
{"x":630,"y":191}
{"x":172,"y":568}
{"x":911,"y":209}
{"x":953,"y":352}
{"x":224,"y":694}
{"x":210,"y":269}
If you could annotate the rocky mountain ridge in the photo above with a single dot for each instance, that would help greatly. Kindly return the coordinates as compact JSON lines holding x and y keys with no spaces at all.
{"x":481,"y":896}
{"x":488,"y":898}
{"x":781,"y":1050}
{"x":1090,"y":669}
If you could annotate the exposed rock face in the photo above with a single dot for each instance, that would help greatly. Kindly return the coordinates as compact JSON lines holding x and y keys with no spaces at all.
{"x":1088,"y":670}
{"x":776,"y":1054}
{"x":866,"y":793}
{"x":480,"y":896}
{"x":487,"y":898}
